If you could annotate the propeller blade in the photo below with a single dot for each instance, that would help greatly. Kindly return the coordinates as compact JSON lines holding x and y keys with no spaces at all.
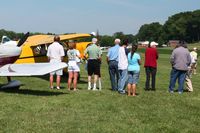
{"x":24,"y":38}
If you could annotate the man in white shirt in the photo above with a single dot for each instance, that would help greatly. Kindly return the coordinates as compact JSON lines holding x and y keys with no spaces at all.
{"x":122,"y":68}
{"x":55,"y":55}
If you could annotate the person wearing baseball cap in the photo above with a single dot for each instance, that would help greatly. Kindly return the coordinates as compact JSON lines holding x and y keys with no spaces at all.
{"x":94,"y":55}
{"x":150,"y":64}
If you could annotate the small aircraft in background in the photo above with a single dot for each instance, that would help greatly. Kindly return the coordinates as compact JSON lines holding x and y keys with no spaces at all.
{"x":10,"y":52}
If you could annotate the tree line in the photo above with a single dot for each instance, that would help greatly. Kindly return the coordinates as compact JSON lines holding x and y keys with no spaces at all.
{"x":183,"y":26}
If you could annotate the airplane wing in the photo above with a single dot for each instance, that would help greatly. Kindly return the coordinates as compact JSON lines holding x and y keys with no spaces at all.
{"x":34,"y":69}
{"x":36,"y":40}
{"x":73,"y":36}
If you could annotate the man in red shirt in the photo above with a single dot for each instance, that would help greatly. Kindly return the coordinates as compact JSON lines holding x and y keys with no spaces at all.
{"x":151,"y":56}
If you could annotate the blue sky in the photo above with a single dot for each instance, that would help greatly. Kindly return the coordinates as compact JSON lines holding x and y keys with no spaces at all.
{"x":85,"y":16}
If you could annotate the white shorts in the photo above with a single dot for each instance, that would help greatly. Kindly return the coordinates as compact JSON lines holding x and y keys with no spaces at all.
{"x":73,"y":67}
{"x":58,"y":72}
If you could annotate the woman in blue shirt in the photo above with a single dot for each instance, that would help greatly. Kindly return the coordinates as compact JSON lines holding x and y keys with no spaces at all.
{"x":134,"y":62}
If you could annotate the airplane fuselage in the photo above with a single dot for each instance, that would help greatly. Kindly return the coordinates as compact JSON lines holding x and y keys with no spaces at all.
{"x":9,"y":53}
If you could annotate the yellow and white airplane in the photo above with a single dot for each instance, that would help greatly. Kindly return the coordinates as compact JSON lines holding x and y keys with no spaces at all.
{"x":10,"y":52}
{"x":35,"y":48}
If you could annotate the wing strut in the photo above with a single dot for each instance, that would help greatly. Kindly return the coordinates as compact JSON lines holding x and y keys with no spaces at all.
{"x":23,"y":39}
{"x":9,"y":78}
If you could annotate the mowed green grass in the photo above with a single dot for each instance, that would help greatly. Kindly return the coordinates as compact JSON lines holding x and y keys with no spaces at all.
{"x":36,"y":108}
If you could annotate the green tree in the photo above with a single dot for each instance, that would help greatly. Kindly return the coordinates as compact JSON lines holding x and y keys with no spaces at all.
{"x":193,"y":27}
{"x":106,"y":40}
{"x":151,"y":32}
{"x":119,"y":35}
{"x":131,"y":38}
{"x":183,"y":26}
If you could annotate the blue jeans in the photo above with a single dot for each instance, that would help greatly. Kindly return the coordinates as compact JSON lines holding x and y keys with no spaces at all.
{"x":113,"y":71}
{"x":123,"y":76}
{"x":177,"y":74}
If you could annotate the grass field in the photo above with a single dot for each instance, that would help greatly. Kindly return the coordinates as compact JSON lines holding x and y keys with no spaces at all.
{"x":36,"y":108}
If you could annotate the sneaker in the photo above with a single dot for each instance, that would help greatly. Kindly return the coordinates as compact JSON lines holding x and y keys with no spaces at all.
{"x":122,"y":92}
{"x":58,"y":88}
{"x":89,"y":88}
{"x":51,"y":87}
{"x":180,"y":92}
{"x":94,"y":89}
{"x":171,"y":92}
{"x":75,"y":89}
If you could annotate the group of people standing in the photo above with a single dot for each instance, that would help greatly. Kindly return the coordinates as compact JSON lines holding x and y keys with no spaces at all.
{"x":124,"y":67}
{"x":93,"y":54}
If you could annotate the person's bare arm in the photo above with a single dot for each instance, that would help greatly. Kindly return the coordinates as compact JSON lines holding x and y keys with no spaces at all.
{"x":139,"y":62}
{"x":62,"y":58}
{"x":107,"y":59}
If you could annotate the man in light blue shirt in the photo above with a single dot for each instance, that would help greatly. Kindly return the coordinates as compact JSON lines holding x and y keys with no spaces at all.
{"x":112,"y":60}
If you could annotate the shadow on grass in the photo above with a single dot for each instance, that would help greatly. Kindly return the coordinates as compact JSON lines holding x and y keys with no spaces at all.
{"x":82,"y":82}
{"x":64,"y":78}
{"x":46,"y":77}
{"x":183,"y":90}
{"x":33,"y":92}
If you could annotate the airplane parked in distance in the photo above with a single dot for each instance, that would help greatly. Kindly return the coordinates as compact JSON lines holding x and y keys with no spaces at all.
{"x":10,"y":52}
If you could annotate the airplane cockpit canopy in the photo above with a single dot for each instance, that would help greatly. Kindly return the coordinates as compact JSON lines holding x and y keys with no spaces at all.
{"x":5,"y":39}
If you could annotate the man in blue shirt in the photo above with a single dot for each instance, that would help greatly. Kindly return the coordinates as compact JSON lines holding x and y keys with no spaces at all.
{"x":112,"y":60}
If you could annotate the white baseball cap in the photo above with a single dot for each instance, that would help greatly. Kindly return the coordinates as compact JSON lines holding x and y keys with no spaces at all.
{"x":146,"y":43}
{"x":93,"y":33}
{"x":153,"y":43}
{"x":194,"y":48}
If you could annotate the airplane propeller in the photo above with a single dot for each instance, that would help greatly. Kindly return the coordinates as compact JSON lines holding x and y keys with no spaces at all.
{"x":24,"y":38}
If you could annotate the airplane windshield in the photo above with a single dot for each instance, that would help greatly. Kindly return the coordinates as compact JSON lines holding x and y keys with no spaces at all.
{"x":40,"y":50}
{"x":5,"y":39}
